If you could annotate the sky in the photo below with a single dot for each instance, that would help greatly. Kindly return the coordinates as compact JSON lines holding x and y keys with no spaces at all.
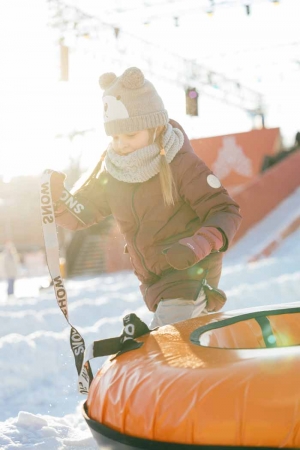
{"x":39,"y":404}
{"x":39,"y":112}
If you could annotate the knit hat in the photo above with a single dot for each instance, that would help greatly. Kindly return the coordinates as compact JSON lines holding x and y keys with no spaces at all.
{"x":131,"y":103}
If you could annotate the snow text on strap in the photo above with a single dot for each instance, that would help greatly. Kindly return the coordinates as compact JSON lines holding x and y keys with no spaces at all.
{"x":77,"y":344}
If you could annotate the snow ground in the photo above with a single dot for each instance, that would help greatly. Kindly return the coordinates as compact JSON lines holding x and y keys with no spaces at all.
{"x":39,"y":404}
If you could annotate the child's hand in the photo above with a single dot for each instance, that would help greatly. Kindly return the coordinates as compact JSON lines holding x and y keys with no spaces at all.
{"x":57,"y":185}
{"x":189,"y":251}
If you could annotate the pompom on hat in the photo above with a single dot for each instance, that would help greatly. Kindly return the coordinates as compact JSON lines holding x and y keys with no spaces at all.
{"x":131,"y":103}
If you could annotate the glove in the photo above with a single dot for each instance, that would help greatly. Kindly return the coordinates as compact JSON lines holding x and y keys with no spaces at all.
{"x":189,"y":251}
{"x":57,"y":185}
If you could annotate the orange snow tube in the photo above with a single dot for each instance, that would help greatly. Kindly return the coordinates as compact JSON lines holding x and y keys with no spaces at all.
{"x":225,"y":379}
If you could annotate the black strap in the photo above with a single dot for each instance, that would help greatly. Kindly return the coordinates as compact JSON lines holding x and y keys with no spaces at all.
{"x":133,"y":327}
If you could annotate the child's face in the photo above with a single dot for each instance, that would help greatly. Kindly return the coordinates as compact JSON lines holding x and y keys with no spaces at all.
{"x":123,"y":144}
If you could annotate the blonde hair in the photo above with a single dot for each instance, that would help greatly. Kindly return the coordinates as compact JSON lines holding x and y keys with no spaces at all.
{"x":167,"y":182}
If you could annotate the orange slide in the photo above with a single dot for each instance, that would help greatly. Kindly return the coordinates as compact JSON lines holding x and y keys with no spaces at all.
{"x":228,"y":379}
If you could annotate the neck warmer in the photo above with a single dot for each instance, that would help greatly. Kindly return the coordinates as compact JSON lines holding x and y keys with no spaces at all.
{"x":143,"y":164}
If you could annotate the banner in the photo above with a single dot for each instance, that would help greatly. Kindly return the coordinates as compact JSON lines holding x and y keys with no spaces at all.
{"x":237,"y":158}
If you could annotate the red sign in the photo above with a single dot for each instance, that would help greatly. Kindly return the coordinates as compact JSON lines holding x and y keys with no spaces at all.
{"x":237,"y":158}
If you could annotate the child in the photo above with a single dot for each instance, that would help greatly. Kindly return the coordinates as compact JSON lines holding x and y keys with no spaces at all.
{"x":176,"y":217}
{"x":10,"y":266}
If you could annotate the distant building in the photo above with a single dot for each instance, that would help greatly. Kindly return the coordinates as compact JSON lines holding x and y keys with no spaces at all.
{"x":20,"y":213}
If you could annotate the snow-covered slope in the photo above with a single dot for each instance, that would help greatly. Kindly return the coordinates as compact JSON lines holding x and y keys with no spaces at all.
{"x":39,"y":405}
{"x":268,"y":232}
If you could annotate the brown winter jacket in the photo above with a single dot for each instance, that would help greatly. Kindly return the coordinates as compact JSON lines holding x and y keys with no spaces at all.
{"x":149,"y":227}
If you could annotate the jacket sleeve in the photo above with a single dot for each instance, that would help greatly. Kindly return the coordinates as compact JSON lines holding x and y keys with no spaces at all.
{"x":202,"y":190}
{"x":93,"y":196}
